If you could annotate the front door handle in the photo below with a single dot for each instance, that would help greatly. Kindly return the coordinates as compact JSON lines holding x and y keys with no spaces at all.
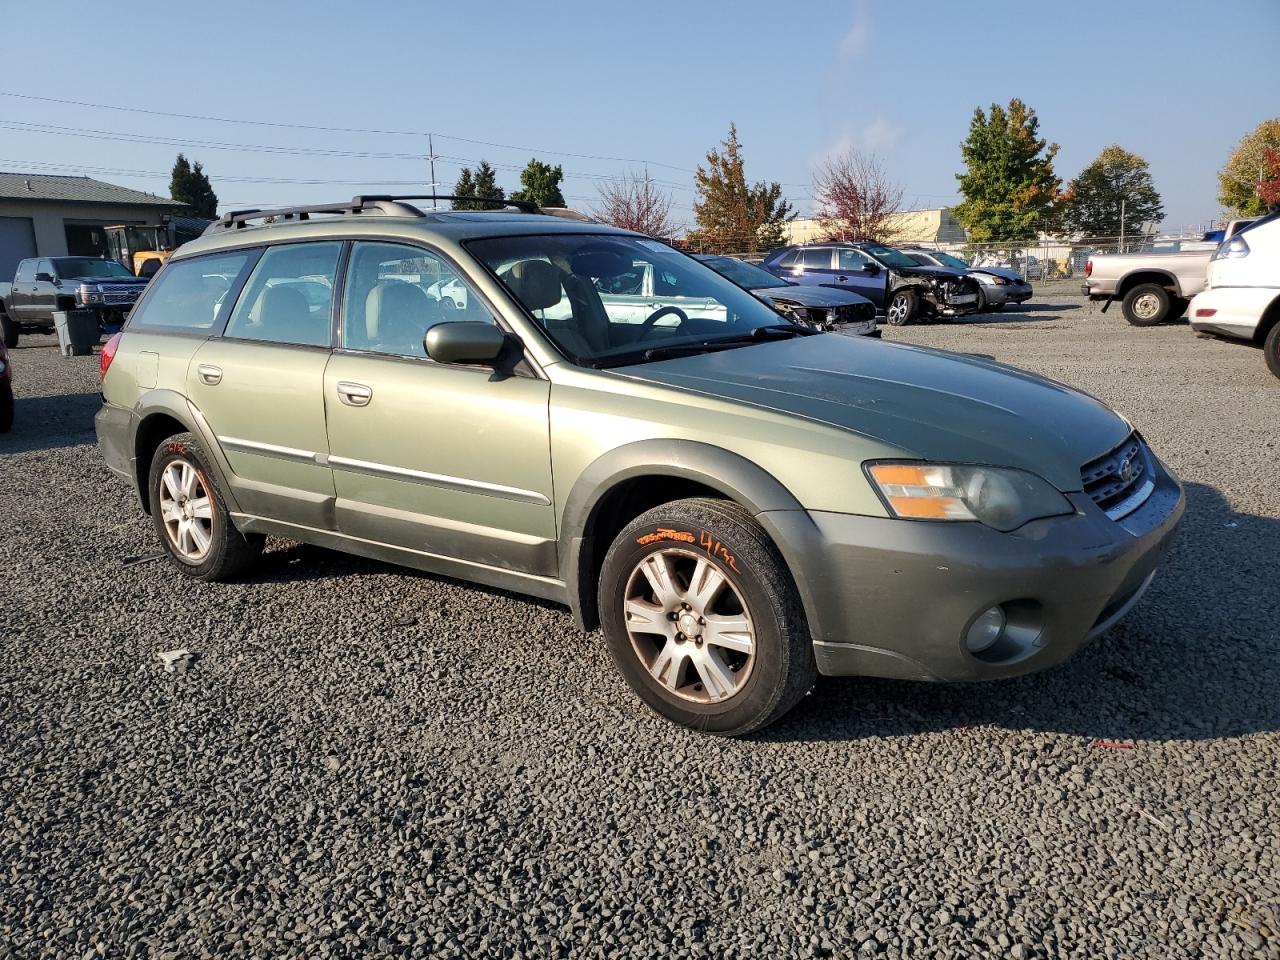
{"x":843,"y":279}
{"x":209,"y":374}
{"x":354,"y":394}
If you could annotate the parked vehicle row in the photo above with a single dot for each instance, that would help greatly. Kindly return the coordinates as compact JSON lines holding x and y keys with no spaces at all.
{"x":997,"y":286}
{"x":905,"y":290}
{"x":742,"y":503}
{"x":823,"y":308}
{"x":47,"y":285}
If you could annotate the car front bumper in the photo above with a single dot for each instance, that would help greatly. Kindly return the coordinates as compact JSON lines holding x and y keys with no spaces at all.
{"x":894,"y":598}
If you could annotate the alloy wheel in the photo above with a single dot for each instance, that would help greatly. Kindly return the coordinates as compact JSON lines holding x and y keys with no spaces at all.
{"x":689,"y":626}
{"x":898,"y":311}
{"x":186,"y":510}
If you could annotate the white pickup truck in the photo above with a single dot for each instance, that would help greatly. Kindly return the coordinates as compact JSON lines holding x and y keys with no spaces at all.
{"x":1151,"y":287}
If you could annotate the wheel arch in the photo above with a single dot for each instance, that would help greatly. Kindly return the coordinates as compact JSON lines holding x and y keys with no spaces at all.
{"x":1147,"y":275}
{"x":1268,"y":321}
{"x":161,"y":414}
{"x":628,"y":480}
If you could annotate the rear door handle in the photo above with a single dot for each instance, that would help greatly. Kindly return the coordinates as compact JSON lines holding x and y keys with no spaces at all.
{"x":209,"y":374}
{"x":354,"y":394}
{"x":843,"y":279}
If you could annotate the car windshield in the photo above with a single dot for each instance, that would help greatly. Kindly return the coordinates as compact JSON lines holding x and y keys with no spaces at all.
{"x":89,"y":267}
{"x":888,"y":256}
{"x":743,"y":274}
{"x":608,"y":299}
{"x":947,"y":260}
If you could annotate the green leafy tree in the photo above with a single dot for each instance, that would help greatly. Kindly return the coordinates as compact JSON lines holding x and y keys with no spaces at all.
{"x":1240,"y":180}
{"x":1116,"y":181}
{"x":188,"y":184}
{"x":1009,"y":186}
{"x":482,"y":184}
{"x":540,"y":184}
{"x":732,"y":215}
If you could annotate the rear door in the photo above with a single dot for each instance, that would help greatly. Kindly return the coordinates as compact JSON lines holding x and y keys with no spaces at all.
{"x":858,"y":273}
{"x":815,"y":267}
{"x":260,"y":385}
{"x":443,"y":459}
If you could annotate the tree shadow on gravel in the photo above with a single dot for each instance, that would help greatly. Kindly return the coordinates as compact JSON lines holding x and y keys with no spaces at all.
{"x":1197,"y":659}
{"x":47,"y":423}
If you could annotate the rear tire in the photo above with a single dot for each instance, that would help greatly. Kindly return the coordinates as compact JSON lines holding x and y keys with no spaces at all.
{"x":902,"y":308}
{"x":1146,"y":304}
{"x":8,"y":330}
{"x":703,"y":619}
{"x":1271,"y":348}
{"x":191,"y":517}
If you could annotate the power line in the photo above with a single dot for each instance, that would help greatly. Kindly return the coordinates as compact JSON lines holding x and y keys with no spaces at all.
{"x":328,"y":129}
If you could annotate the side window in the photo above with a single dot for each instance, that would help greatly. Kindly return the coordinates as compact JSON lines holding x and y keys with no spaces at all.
{"x":792,"y":259}
{"x":289,"y":296}
{"x":852,"y":259}
{"x":395,"y":292}
{"x":46,"y":266}
{"x":26,"y":272}
{"x":189,"y":294}
{"x":817,"y":258}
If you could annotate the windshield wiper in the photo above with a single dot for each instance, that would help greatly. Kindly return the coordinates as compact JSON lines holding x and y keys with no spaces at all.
{"x":772,"y":331}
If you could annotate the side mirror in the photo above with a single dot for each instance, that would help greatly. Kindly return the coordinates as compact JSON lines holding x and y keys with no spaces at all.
{"x":870,"y":268}
{"x":44,"y":277}
{"x":464,"y":341}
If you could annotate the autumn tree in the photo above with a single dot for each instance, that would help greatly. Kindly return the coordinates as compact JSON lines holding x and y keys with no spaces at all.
{"x":188,"y":184}
{"x":1117,"y":181}
{"x":1009,"y":186}
{"x":540,"y":184}
{"x":732,"y":215}
{"x":482,"y":184}
{"x":635,"y":203}
{"x":856,"y":200}
{"x":1240,"y":179}
{"x":1269,"y":182}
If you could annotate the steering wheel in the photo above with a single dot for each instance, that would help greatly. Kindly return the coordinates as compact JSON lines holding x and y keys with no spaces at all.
{"x":647,"y":327}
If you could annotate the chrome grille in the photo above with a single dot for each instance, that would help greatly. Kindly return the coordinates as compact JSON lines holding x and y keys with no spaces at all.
{"x":119,"y":296}
{"x":1120,"y":481}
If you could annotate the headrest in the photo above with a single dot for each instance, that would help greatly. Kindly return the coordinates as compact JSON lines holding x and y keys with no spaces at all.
{"x":536,"y":283}
{"x":394,"y":300}
{"x":284,"y":306}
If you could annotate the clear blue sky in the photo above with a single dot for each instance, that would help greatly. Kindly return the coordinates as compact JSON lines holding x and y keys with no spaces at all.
{"x":656,"y":81}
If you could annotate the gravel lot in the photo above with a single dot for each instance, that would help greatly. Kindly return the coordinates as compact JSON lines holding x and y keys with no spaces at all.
{"x":368,"y":762}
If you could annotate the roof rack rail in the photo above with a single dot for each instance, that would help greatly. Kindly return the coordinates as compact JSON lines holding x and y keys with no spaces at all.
{"x":237,"y":219}
{"x":524,"y":205}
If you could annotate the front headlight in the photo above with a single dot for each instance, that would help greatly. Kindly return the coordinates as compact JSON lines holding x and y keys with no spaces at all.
{"x":1000,"y":497}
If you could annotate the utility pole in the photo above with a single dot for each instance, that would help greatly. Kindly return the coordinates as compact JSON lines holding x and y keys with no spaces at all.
{"x":1121,"y":250}
{"x":431,"y":156}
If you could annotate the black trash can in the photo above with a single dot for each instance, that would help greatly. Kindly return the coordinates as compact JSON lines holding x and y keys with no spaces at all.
{"x":77,"y":332}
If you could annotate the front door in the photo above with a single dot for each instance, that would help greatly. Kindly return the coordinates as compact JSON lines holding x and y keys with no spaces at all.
{"x":260,"y":385}
{"x":858,"y":273}
{"x":447,"y":460}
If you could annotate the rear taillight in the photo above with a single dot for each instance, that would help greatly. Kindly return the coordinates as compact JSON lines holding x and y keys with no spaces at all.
{"x":1206,"y":311}
{"x":109,"y":351}
{"x":1088,"y":268}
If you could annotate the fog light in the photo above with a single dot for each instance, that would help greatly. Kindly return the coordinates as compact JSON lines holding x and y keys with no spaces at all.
{"x":986,"y":630}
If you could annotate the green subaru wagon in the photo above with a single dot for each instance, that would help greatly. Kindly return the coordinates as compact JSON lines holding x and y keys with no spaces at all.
{"x":590,"y":416}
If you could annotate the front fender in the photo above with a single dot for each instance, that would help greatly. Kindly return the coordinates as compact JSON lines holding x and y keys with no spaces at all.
{"x":729,"y":474}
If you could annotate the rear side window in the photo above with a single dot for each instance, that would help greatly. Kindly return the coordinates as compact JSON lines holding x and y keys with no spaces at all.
{"x":289,"y":296}
{"x":792,"y":259}
{"x":189,"y":294}
{"x":817,"y":258}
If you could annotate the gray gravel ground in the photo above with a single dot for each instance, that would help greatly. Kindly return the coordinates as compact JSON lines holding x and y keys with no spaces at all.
{"x":367,"y":762}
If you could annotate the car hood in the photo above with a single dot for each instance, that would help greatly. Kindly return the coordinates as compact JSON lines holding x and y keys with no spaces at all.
{"x":115,"y":281}
{"x":1006,"y":272}
{"x":809,"y":296}
{"x":937,"y":273}
{"x":930,"y":404}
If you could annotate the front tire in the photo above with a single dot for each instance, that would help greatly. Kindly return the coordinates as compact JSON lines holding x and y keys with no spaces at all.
{"x":1271,"y":348}
{"x":703,"y":620}
{"x":1146,"y":304}
{"x":902,"y":308}
{"x":6,"y":406}
{"x":191,"y":517}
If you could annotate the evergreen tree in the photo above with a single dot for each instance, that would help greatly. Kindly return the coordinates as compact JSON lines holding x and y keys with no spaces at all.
{"x":487,"y":183}
{"x":540,"y":184}
{"x":732,"y":215}
{"x":1009,"y":188}
{"x":1117,"y":180}
{"x":483,"y":183}
{"x":465,"y":187}
{"x":188,"y":184}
